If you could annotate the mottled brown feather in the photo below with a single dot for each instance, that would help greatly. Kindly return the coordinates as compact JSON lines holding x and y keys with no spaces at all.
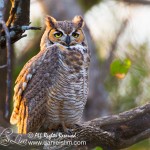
{"x":51,"y":90}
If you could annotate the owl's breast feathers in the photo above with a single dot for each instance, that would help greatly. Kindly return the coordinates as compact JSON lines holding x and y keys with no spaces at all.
{"x":40,"y":73}
{"x":67,"y":97}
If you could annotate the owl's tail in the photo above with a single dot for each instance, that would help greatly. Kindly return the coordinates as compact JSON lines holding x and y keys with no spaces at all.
{"x":19,"y":117}
{"x":22,"y":119}
{"x":15,"y":115}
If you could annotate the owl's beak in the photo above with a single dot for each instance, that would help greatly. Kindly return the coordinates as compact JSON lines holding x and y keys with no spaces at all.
{"x":68,"y":40}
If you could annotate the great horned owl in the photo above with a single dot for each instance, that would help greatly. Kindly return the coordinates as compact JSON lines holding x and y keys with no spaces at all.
{"x":51,"y":90}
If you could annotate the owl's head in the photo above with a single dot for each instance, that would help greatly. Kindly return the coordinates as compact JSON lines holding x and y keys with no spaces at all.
{"x":66,"y":33}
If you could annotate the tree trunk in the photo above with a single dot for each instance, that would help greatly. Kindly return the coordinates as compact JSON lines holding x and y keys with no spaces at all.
{"x":3,"y":71}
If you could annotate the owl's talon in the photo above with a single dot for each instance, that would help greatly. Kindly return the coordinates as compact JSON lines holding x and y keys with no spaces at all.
{"x":66,"y":130}
{"x":77,"y":125}
{"x":69,"y":132}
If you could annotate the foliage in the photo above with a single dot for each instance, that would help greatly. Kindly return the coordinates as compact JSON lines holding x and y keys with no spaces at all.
{"x":97,"y":148}
{"x":119,"y":68}
{"x":133,"y":90}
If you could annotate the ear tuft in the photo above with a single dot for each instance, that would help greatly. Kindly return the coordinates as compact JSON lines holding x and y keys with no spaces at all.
{"x":78,"y":21}
{"x":50,"y":21}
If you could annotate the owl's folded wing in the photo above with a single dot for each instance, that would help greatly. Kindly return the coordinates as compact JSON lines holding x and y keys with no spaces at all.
{"x":30,"y":93}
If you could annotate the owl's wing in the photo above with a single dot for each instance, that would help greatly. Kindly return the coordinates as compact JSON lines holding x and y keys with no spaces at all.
{"x":30,"y":92}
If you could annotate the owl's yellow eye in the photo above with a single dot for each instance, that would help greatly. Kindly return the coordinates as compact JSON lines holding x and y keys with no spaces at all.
{"x":58,"y":34}
{"x":75,"y":35}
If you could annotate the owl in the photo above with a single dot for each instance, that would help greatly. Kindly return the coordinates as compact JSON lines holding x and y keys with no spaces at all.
{"x":51,"y":89}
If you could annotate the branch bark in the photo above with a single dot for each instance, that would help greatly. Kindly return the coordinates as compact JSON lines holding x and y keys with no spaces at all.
{"x":9,"y":76}
{"x":9,"y":56}
{"x":110,"y":132}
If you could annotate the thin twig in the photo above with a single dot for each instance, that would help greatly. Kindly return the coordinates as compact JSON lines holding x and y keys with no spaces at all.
{"x":3,"y":66}
{"x":24,"y":28}
{"x":16,"y":34}
{"x":9,"y":50}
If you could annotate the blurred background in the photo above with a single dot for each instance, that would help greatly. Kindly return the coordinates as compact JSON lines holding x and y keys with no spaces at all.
{"x":115,"y":29}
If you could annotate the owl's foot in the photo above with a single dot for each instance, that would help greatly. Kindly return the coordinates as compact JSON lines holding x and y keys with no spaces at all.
{"x":77,"y":125}
{"x":66,"y":130}
{"x":69,"y":131}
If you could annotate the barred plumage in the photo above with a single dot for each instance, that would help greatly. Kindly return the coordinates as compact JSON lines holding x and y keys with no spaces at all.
{"x":52,"y":88}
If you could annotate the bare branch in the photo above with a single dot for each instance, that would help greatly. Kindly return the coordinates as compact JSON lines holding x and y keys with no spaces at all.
{"x":24,"y":28}
{"x":123,"y":130}
{"x":17,"y":26}
{"x":3,"y":66}
{"x":110,"y":132}
{"x":16,"y":34}
{"x":9,"y":51}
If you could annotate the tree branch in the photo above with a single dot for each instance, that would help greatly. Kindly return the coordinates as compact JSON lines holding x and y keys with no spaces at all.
{"x":110,"y":132}
{"x":3,"y":66}
{"x":18,"y":22}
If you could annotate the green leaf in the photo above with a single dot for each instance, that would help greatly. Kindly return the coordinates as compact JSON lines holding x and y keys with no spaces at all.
{"x":119,"y":68}
{"x":98,"y":148}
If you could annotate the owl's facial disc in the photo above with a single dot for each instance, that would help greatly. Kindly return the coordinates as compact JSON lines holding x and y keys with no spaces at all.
{"x":67,"y":33}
